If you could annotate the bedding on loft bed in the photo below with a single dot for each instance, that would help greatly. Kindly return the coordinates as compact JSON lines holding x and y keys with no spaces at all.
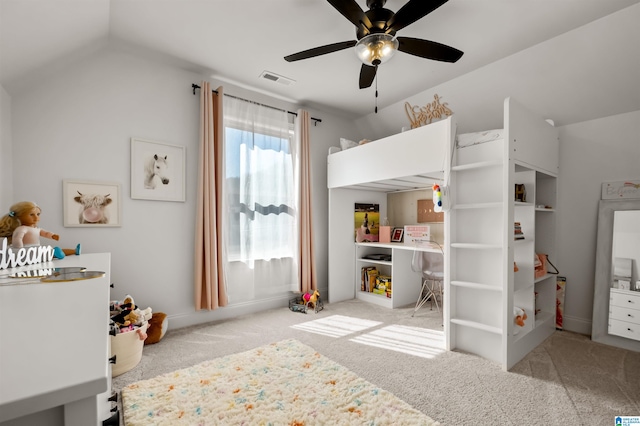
{"x":462,"y":141}
{"x":469,"y":139}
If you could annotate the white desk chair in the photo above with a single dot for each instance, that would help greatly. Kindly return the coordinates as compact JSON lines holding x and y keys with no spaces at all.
{"x":431,"y":265}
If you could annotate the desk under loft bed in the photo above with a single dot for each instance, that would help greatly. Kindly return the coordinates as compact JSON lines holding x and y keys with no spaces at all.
{"x":479,"y":172}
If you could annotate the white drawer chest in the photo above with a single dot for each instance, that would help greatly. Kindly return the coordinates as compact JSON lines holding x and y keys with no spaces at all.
{"x":54,"y":346}
{"x":624,"y":313}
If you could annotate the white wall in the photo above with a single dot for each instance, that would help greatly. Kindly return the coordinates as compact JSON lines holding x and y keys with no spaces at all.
{"x":77,"y":125}
{"x":6,"y":180}
{"x":607,"y":149}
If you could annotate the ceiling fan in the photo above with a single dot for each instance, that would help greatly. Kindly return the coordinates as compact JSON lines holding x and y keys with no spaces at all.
{"x":376,"y":33}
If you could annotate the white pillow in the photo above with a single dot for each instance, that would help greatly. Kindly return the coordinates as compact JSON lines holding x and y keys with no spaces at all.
{"x":346,"y":143}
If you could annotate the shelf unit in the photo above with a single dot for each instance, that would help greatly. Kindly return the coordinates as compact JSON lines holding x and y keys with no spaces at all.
{"x":405,"y":283}
{"x":483,"y":286}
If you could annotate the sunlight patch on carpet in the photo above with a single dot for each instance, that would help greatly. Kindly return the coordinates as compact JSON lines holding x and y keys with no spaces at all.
{"x":284,"y":383}
{"x":421,"y":342}
{"x":336,"y":325}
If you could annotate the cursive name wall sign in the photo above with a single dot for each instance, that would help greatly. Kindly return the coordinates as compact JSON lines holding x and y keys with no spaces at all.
{"x":419,"y":116}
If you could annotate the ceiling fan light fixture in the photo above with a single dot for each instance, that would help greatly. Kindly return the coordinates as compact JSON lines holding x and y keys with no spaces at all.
{"x":376,"y":49}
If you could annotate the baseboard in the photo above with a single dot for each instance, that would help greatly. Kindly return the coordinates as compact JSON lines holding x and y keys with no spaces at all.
{"x":229,"y":312}
{"x":576,"y":325}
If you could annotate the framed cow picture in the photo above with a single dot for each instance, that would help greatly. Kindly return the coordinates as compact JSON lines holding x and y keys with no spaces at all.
{"x":88,"y":203}
{"x":157,"y":171}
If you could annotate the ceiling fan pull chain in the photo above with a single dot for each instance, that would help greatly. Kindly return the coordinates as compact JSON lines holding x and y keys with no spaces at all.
{"x":376,"y":110}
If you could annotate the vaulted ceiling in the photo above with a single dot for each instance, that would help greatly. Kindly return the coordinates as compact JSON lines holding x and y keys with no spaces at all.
{"x":236,"y":40}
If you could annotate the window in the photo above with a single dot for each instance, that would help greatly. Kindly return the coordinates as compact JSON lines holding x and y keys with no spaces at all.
{"x":260,"y":184}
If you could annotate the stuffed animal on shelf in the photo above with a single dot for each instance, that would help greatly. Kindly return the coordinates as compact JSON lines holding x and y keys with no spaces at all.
{"x":519,"y":318}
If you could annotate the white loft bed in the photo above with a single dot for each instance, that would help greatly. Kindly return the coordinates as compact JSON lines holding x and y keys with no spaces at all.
{"x":479,"y":246}
{"x":414,"y":159}
{"x":408,"y":160}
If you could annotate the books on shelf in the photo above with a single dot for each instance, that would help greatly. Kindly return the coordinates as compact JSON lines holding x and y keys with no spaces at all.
{"x":383,"y":282}
{"x":372,"y":281}
{"x":517,"y":231}
{"x":368,"y":276}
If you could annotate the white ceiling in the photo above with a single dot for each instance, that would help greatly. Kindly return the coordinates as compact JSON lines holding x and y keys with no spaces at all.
{"x":236,"y":40}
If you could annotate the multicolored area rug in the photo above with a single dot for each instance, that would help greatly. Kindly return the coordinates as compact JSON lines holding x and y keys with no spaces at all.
{"x":285,"y":383}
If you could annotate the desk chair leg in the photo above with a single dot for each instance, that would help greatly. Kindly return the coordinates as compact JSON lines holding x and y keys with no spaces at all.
{"x":426,"y":294}
{"x":434,"y":297}
{"x":436,"y":290}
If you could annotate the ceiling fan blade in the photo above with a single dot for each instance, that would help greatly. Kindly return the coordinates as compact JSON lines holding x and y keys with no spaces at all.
{"x":367,"y":74}
{"x":322,"y":50}
{"x":352,"y":11}
{"x":428,"y":49}
{"x":411,"y":12}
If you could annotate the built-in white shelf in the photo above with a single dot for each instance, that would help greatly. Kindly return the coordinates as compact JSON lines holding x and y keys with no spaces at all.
{"x":478,"y":206}
{"x":476,"y":165}
{"x":477,"y":325}
{"x":476,"y":246}
{"x":477,"y":286}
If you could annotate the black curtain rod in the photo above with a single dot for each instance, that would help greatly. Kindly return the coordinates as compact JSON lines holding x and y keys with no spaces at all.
{"x":316,"y":120}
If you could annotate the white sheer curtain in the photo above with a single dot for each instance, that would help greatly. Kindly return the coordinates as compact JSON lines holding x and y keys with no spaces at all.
{"x":260,"y":190}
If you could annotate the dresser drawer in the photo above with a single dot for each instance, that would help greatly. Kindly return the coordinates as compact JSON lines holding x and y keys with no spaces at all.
{"x":624,"y":314}
{"x":625,"y":299}
{"x":624,"y":329}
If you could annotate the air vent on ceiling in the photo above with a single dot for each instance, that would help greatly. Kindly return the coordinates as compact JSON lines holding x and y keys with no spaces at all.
{"x":267,"y":75}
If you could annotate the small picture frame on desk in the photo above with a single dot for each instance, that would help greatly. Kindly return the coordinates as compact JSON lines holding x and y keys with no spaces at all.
{"x":396,"y":235}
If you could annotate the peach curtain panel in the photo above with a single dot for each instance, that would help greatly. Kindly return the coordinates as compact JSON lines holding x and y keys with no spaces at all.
{"x":210,"y":286}
{"x":307,"y":259}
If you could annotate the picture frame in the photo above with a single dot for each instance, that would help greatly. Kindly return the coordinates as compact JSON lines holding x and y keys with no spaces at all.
{"x":91,"y":204}
{"x":396,"y":235}
{"x":158,"y":171}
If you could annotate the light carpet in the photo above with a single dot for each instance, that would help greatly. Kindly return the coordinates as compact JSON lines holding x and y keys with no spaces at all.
{"x":284,"y":383}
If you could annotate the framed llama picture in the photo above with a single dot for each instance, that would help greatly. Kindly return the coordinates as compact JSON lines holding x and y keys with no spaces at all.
{"x":86,"y":204}
{"x":157,"y":171}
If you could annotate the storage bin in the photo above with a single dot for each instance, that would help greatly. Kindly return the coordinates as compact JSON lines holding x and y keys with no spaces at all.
{"x":127,"y":347}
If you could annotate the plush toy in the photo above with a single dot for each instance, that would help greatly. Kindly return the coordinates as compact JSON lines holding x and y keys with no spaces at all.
{"x":120,"y":319}
{"x":145,"y":315}
{"x":158,"y":325}
{"x":141,"y":334}
{"x":519,"y":316}
{"x":125,"y":314}
{"x":131,"y":318}
{"x":20,"y":227}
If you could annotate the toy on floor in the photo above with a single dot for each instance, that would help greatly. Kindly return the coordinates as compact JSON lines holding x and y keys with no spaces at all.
{"x":310,"y":299}
{"x":158,"y":324}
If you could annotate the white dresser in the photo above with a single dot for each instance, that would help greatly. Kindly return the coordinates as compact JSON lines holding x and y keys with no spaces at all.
{"x":624,"y":313}
{"x":54,"y":346}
